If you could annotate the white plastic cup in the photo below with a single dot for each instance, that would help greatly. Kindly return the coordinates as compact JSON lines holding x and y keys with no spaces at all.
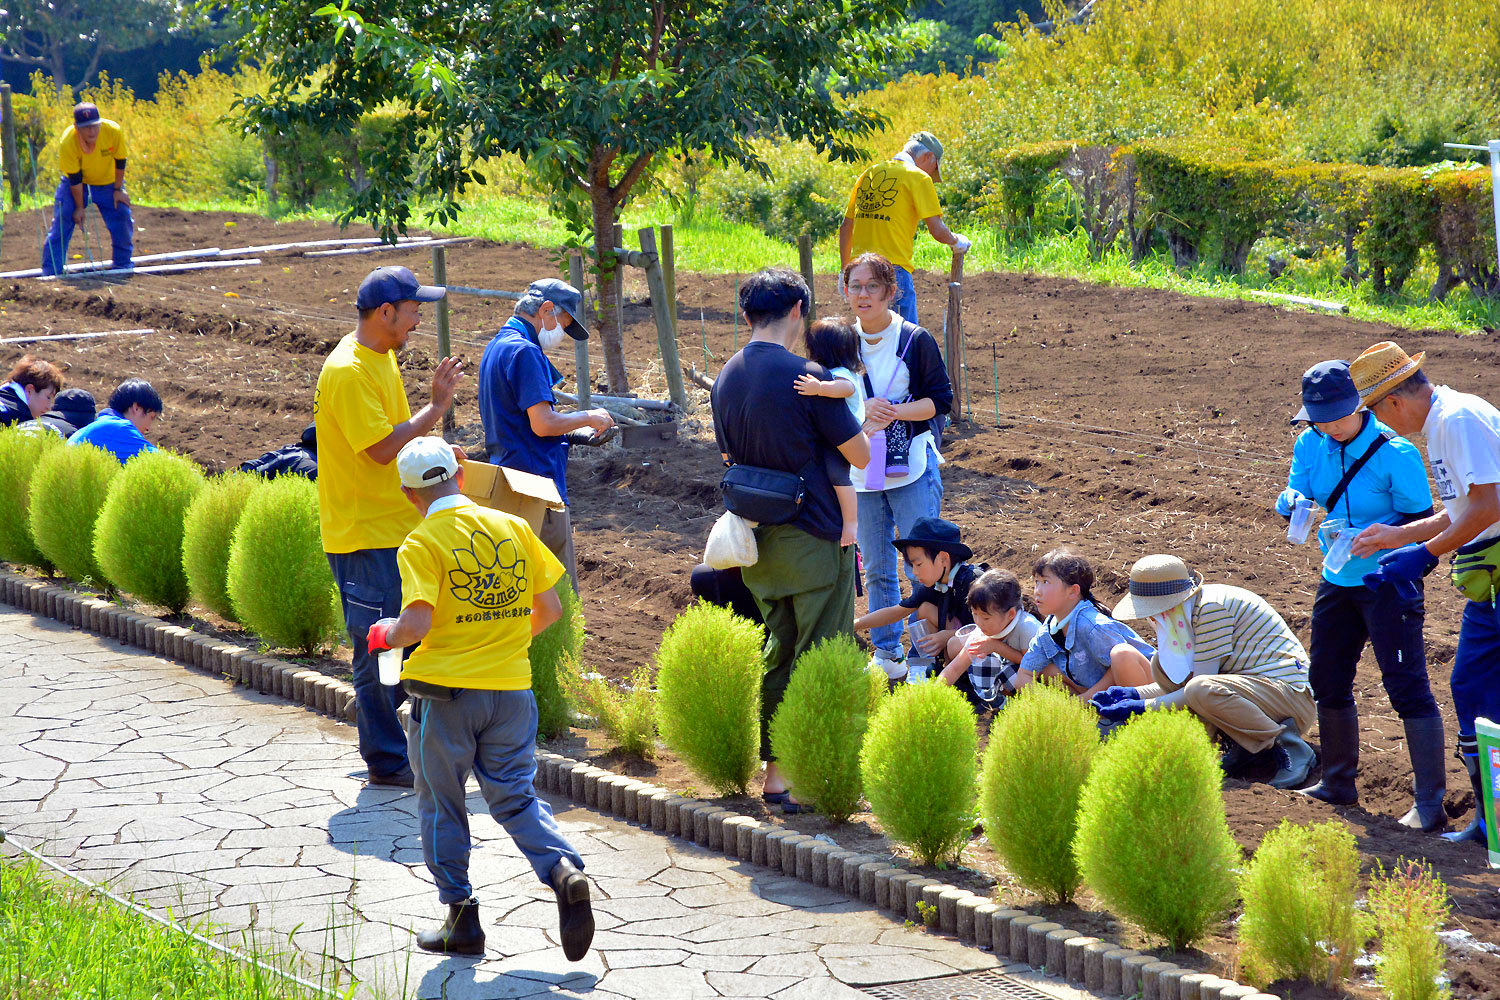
{"x":917,"y":629}
{"x":1340,"y":550}
{"x":390,"y":666}
{"x":1296,"y":530}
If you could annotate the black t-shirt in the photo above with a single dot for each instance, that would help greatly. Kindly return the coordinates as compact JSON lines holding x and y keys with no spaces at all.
{"x":760,"y":419}
{"x":953,"y":603}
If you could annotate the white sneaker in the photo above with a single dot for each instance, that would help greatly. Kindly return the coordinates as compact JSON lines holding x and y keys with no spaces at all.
{"x":894,"y":668}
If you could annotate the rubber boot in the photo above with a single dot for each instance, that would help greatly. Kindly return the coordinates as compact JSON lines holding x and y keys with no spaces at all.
{"x":1293,"y":755}
{"x":575,"y":914}
{"x":1424,"y":742}
{"x":461,"y":933}
{"x":1339,"y":730}
{"x":1468,"y":752}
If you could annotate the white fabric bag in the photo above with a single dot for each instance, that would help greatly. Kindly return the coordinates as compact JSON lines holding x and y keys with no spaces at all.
{"x":731,"y":543}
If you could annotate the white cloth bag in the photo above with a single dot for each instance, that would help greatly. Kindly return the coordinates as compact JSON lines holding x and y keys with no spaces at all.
{"x":731,"y":543}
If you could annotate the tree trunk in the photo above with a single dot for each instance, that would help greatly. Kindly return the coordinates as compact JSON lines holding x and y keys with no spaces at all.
{"x":604,"y":241}
{"x":60,"y":73}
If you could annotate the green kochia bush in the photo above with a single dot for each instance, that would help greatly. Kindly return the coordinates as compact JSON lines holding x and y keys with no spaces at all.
{"x":819,"y":727}
{"x":67,"y":493}
{"x":708,"y":675}
{"x":21,"y":451}
{"x":1152,"y":841}
{"x":207,"y":532}
{"x":138,"y":538}
{"x":1410,"y":906}
{"x":918,"y":766}
{"x":1041,"y":749}
{"x":279,"y":581}
{"x":627,"y":717}
{"x":1299,"y":891}
{"x":554,"y":653}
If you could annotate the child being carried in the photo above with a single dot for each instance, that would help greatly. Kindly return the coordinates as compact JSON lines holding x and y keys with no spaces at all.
{"x":833,"y":344}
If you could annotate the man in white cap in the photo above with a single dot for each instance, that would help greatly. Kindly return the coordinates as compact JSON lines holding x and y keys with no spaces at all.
{"x":1463,"y":448}
{"x":362,"y":419}
{"x":476,"y":586}
{"x":522,"y":430}
{"x":888,"y":202}
{"x":1227,"y":656}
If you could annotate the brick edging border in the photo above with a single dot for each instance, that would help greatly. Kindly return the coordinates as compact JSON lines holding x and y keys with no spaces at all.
{"x":1096,"y":965}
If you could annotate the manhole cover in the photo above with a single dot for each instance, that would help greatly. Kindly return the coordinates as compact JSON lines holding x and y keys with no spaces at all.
{"x":987,"y":985}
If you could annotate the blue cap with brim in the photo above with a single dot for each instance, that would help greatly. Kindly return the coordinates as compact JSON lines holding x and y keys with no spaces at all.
{"x":565,"y":297}
{"x":1328,"y":393}
{"x":394,"y":284}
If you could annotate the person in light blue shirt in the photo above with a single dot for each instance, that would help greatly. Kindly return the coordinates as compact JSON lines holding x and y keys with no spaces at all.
{"x":121,"y":427}
{"x":1357,"y":469}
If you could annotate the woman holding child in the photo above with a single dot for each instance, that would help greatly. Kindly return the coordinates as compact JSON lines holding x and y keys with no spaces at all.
{"x":907,"y":394}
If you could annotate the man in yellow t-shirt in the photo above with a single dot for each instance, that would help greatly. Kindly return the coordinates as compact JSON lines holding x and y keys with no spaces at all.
{"x":887,"y":203}
{"x":91,"y":156}
{"x":476,"y":586}
{"x":362,"y":420}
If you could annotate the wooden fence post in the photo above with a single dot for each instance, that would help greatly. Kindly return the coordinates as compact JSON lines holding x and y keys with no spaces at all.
{"x":953,"y":334}
{"x":666,"y":335}
{"x":805,"y":261}
{"x":581,"y":347}
{"x":669,"y":272}
{"x":8,"y":146}
{"x":444,"y":341}
{"x":619,"y":276}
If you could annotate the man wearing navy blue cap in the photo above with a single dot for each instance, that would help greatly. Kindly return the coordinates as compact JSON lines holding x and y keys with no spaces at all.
{"x":1359,"y":471}
{"x":362,"y":419}
{"x":521,"y":428}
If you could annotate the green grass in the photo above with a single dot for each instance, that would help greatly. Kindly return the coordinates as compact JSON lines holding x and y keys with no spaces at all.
{"x":58,"y":940}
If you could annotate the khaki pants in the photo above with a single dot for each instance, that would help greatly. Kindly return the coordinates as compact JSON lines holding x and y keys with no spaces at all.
{"x":1249,"y":709}
{"x":557,"y":535}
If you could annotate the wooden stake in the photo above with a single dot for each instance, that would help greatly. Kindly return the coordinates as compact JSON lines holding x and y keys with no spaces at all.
{"x":581,"y":347}
{"x":666,"y":337}
{"x":619,"y":276}
{"x":669,"y":274}
{"x":444,"y":343}
{"x":953,"y":333}
{"x":8,"y":146}
{"x":805,"y":262}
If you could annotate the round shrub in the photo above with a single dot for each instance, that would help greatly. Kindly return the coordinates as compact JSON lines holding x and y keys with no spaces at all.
{"x":1152,"y":841}
{"x":817,"y":731}
{"x":207,"y":531}
{"x":1041,"y":749}
{"x":708,"y":675}
{"x":67,"y":493}
{"x":279,"y":581}
{"x":918,"y":766}
{"x":555,"y":653}
{"x":138,"y":538}
{"x":21,"y":451}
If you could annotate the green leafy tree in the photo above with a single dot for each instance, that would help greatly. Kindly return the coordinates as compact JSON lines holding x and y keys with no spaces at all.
{"x":590,"y":94}
{"x":59,"y":36}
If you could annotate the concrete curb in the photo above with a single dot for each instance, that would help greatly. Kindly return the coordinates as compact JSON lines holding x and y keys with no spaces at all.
{"x":1086,"y":962}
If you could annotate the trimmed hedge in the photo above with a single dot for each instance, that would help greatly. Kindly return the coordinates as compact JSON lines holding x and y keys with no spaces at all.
{"x":279,"y":580}
{"x":207,"y":531}
{"x":21,"y":451}
{"x":138,"y":538}
{"x":67,"y":493}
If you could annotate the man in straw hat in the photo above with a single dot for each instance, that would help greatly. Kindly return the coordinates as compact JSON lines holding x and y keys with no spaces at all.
{"x":1463,"y":449}
{"x":1227,"y":656}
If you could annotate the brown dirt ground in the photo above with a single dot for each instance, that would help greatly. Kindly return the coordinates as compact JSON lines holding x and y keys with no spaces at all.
{"x":1129,"y":421}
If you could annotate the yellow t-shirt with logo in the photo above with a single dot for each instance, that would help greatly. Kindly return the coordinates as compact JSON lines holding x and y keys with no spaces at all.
{"x":99,"y":166}
{"x":480,"y":569}
{"x":887,"y":204}
{"x":359,"y":400}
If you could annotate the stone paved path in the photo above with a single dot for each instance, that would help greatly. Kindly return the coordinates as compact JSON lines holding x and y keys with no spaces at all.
{"x":232,"y":806}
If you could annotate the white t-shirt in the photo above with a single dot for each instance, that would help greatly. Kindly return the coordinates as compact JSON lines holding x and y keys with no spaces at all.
{"x":884,"y":368}
{"x":857,"y":400}
{"x":1463,"y":448}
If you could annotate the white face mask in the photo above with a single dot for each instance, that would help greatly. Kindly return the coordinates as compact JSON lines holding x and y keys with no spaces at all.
{"x":550,"y":337}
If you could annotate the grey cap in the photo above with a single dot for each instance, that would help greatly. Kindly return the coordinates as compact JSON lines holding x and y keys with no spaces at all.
{"x":565,"y":297}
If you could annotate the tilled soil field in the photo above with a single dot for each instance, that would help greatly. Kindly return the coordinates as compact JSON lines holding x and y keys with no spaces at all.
{"x":1127,"y":421}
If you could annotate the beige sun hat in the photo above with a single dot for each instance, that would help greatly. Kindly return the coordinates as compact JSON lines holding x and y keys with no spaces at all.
{"x":1158,"y":583}
{"x":1381,"y":368}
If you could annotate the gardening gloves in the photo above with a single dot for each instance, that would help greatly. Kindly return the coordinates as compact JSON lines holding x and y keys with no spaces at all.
{"x":375,"y":638}
{"x":961,"y":244}
{"x":1116,"y":704}
{"x":1406,"y":564}
{"x":1287,"y":501}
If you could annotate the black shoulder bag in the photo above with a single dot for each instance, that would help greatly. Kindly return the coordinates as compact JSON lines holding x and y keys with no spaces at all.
{"x":766,"y":496}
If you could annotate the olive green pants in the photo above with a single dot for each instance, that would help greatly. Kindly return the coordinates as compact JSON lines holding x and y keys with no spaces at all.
{"x":804,"y":587}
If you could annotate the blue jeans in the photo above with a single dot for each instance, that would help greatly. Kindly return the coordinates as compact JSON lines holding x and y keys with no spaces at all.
{"x":369,"y":585}
{"x":1476,"y":667}
{"x":493,"y":734}
{"x":118,"y":221}
{"x":906,"y":304}
{"x":884,"y":517}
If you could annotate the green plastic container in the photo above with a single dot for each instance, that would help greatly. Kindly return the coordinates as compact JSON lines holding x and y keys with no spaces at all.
{"x":1489,"y":777}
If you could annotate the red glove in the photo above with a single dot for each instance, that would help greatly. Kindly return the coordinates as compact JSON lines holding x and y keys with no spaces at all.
{"x":375,"y":638}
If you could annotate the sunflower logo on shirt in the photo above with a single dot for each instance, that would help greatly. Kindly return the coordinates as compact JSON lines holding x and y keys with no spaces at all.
{"x":877,"y":192}
{"x":488,"y":575}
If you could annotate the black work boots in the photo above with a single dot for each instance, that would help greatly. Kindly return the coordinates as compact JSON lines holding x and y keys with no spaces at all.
{"x":461,"y":933}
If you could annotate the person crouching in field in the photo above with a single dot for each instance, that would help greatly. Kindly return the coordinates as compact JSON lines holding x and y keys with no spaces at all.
{"x":984,"y":658}
{"x":476,"y":587}
{"x":1228,"y":657}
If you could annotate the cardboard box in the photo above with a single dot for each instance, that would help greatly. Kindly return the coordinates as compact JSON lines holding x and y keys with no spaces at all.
{"x":526,"y":495}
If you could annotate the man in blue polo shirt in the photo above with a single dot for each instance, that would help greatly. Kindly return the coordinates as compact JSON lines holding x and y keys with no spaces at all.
{"x":521,"y":428}
{"x":121,"y":427}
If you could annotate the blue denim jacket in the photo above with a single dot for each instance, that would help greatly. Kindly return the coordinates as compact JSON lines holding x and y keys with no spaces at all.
{"x":1084,"y":656}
